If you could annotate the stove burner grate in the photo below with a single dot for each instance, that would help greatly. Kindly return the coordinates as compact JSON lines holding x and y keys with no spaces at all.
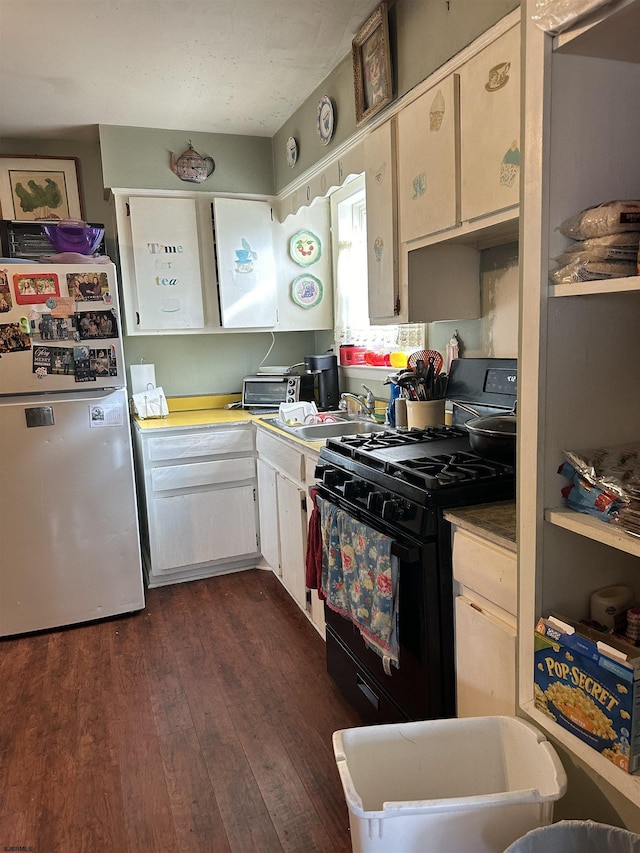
{"x":391,"y":438}
{"x":447,"y":469}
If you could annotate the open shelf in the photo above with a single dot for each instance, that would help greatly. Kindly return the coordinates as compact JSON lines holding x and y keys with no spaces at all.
{"x":605,"y":285}
{"x":594,"y":528}
{"x":610,"y":32}
{"x":627,"y":784}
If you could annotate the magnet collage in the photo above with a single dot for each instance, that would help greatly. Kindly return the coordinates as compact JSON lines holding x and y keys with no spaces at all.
{"x":63,"y":339}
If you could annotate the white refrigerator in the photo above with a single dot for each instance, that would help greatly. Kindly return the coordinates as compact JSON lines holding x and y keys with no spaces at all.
{"x":69,"y":542}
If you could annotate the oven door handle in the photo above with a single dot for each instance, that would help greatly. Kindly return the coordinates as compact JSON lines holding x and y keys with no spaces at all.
{"x":402,"y":552}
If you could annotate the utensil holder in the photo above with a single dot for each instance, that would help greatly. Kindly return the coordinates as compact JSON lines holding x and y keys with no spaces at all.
{"x":423,"y":413}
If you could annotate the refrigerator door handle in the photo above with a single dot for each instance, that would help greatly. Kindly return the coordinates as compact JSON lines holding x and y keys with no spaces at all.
{"x":58,"y":397}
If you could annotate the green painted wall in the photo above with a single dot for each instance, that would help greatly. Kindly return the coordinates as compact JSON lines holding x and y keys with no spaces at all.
{"x":139,"y":158}
{"x":424,"y":34}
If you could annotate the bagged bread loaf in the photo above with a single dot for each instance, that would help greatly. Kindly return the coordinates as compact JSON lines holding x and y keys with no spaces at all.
{"x":614,"y":247}
{"x":585,"y":269}
{"x":555,"y":16}
{"x":612,"y":217}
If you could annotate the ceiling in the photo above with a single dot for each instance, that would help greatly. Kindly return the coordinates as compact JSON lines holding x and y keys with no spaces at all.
{"x":215,"y":66}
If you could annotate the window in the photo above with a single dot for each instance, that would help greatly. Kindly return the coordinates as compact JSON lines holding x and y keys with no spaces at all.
{"x":349,"y":227}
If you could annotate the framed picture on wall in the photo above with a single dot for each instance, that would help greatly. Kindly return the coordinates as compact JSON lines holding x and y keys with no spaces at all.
{"x":372,"y":65}
{"x":34,"y":188}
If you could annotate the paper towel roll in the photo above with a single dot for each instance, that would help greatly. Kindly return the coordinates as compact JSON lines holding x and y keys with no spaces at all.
{"x":609,"y":605}
{"x":143,"y":376}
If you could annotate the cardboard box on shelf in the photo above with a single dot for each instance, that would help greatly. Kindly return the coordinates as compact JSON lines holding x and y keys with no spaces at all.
{"x":590,"y":686}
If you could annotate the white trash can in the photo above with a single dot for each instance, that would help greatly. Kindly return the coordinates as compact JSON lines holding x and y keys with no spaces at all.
{"x":472,"y":785}
{"x":577,"y":836}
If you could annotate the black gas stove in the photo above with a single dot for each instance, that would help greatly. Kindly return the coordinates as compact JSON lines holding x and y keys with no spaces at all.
{"x":400,"y":476}
{"x":398,"y":483}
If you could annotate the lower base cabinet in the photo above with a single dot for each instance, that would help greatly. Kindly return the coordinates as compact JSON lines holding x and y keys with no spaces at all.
{"x":285,"y":472}
{"x":485,"y":626}
{"x":197,"y":501}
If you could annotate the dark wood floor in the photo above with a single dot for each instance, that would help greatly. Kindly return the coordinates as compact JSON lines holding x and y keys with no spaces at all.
{"x":200,"y":724}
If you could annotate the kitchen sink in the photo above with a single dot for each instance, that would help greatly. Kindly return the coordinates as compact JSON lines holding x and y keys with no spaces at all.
{"x":318,"y":432}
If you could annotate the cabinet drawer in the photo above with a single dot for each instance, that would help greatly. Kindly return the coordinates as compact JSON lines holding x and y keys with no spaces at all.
{"x":486,"y":569}
{"x":282,"y":456}
{"x":206,"y":443}
{"x":202,"y":474}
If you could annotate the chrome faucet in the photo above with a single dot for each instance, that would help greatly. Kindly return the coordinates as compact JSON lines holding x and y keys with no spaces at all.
{"x":367,"y":404}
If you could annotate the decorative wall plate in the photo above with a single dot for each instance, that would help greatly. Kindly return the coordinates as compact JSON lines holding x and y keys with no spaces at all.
{"x":326,"y":119}
{"x":306,"y":290}
{"x":305,"y":248}
{"x":292,"y":151}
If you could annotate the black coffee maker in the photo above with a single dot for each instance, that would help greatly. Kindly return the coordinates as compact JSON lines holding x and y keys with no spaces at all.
{"x":324,"y":369}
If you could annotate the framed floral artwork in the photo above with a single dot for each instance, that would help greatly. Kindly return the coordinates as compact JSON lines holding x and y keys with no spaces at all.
{"x":36,"y":188}
{"x":372,"y":65}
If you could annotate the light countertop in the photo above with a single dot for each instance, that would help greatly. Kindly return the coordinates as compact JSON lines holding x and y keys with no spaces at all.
{"x":494,"y":521}
{"x":209,"y":410}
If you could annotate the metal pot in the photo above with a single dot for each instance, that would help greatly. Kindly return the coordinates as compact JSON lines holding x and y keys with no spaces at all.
{"x":492,"y":436}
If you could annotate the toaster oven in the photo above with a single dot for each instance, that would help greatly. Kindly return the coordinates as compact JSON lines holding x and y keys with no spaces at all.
{"x":269,"y":390}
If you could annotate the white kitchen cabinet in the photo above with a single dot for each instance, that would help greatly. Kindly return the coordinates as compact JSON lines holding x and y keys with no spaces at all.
{"x":428,"y":162}
{"x":197,"y":501}
{"x":185,"y":264}
{"x":582,"y":122}
{"x":382,"y":233}
{"x":292,"y":524}
{"x":247,"y":281}
{"x":283,"y":519}
{"x":167,"y":263}
{"x":485,"y":583}
{"x":490,"y":128}
{"x":285,"y":472}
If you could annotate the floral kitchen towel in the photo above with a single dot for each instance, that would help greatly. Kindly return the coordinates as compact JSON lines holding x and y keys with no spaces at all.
{"x":360,"y":578}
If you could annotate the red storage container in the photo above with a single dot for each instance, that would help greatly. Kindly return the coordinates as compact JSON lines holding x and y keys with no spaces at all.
{"x":351,"y":355}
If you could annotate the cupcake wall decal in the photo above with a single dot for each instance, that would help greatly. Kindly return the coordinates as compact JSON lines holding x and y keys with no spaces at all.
{"x":510,"y":166}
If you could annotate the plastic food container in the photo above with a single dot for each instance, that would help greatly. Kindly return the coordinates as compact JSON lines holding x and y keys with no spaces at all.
{"x":74,"y":235}
{"x":471,"y":784}
{"x":351,"y":355}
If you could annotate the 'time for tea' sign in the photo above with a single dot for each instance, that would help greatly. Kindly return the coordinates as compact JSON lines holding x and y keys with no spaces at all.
{"x":164,"y":232}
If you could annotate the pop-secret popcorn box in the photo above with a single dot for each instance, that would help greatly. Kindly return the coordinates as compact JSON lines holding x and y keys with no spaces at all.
{"x":590,"y":688}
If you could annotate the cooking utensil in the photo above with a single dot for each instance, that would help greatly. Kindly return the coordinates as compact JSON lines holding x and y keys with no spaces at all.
{"x":492,"y":436}
{"x":409,"y":382}
{"x":430,"y":379}
{"x":424,"y":355}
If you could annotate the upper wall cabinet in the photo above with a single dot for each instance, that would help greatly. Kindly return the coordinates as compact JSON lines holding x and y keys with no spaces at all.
{"x":428,"y":145}
{"x":189,"y":259}
{"x":246,"y":263}
{"x":167,"y":264}
{"x":382,"y":256}
{"x":490,"y":128}
{"x":305,"y":277}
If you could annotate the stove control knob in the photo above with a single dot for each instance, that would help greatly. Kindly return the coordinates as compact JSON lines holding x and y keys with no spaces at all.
{"x":333,"y":477}
{"x":393,"y":510}
{"x":375,"y":502}
{"x":355,"y":489}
